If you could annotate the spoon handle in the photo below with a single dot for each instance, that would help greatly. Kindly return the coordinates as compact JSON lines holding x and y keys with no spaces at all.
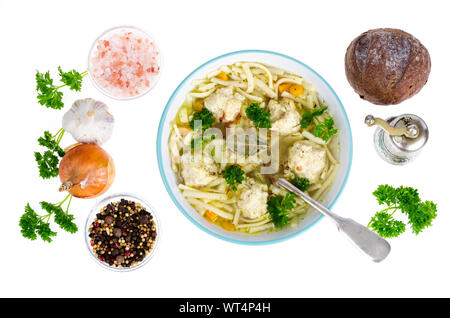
{"x":367,"y":241}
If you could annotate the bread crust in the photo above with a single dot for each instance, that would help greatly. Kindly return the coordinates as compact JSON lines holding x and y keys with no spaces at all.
{"x":387,"y":66}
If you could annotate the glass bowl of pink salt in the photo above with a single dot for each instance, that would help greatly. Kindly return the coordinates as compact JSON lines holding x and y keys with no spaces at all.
{"x":124,"y":62}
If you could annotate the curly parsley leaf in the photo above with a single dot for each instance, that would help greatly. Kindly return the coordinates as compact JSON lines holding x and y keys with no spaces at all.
{"x":45,"y":232}
{"x":65,"y":222}
{"x":29,"y":222}
{"x":325,"y":130}
{"x":406,"y":199}
{"x":32,"y":224}
{"x":47,"y":164}
{"x":63,"y":219}
{"x":308,"y":117}
{"x":51,"y":143}
{"x":202,"y":119}
{"x":233,"y":175}
{"x":386,"y":226}
{"x":49,"y":94}
{"x":279,"y":207}
{"x":258,"y":115}
{"x":301,"y":183}
{"x":48,"y":161}
{"x":421,"y":216}
{"x":385,"y":194}
{"x":73,"y":79}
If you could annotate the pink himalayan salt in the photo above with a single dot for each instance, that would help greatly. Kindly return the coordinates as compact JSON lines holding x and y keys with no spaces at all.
{"x":125,"y":64}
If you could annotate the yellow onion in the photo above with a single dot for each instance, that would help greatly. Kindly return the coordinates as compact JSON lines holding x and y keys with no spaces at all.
{"x":86,"y":171}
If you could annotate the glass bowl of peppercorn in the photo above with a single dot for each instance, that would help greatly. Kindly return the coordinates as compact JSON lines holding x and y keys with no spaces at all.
{"x":122,"y":232}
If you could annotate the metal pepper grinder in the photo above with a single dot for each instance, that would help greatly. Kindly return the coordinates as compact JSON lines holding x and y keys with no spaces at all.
{"x":399,"y":140}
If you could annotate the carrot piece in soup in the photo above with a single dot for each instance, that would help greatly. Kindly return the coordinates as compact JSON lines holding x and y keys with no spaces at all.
{"x":283,"y":87}
{"x":223,"y":76}
{"x":210,"y":216}
{"x":228,"y":226}
{"x":296,"y":90}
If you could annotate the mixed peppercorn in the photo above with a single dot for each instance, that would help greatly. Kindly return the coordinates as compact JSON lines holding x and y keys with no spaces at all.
{"x":122,"y":234}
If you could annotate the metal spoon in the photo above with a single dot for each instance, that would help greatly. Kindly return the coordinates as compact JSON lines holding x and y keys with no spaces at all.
{"x":367,"y":241}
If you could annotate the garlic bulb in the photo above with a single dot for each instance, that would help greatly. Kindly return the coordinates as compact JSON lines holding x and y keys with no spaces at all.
{"x":89,"y":121}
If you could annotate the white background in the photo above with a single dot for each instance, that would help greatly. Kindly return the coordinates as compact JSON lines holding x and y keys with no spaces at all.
{"x":40,"y":35}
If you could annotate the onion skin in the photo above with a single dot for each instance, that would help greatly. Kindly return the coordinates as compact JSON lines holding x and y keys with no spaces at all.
{"x":86,"y":171}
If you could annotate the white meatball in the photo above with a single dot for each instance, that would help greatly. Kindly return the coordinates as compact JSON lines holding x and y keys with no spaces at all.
{"x":307,"y":159}
{"x":253,"y":199}
{"x":284,"y":117}
{"x":224,"y":104}
{"x":198,"y":172}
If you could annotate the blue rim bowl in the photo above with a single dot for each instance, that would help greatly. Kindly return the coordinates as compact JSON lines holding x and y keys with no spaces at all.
{"x":278,"y":60}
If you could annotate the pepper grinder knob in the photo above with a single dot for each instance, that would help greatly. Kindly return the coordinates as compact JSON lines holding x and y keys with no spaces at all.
{"x":369,"y":120}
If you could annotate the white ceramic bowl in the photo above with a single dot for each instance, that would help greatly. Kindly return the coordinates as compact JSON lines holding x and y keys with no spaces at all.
{"x":278,"y":60}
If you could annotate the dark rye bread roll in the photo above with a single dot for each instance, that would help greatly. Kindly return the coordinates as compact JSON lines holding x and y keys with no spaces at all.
{"x":387,"y":66}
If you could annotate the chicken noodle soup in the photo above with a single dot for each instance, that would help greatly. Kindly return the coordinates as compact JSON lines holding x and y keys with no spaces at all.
{"x":242,"y":126}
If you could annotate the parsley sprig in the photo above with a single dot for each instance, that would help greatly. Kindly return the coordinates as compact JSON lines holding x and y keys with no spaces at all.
{"x":301,"y":183}
{"x":33,"y":224}
{"x":49,"y":160}
{"x":325,"y":129}
{"x":279,"y":207}
{"x":233,"y":175}
{"x":405,"y":199}
{"x":258,"y":115}
{"x":49,"y":94}
{"x":308,"y":117}
{"x":202,"y":119}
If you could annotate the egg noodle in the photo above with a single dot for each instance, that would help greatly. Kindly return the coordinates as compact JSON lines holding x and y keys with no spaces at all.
{"x":251,"y":82}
